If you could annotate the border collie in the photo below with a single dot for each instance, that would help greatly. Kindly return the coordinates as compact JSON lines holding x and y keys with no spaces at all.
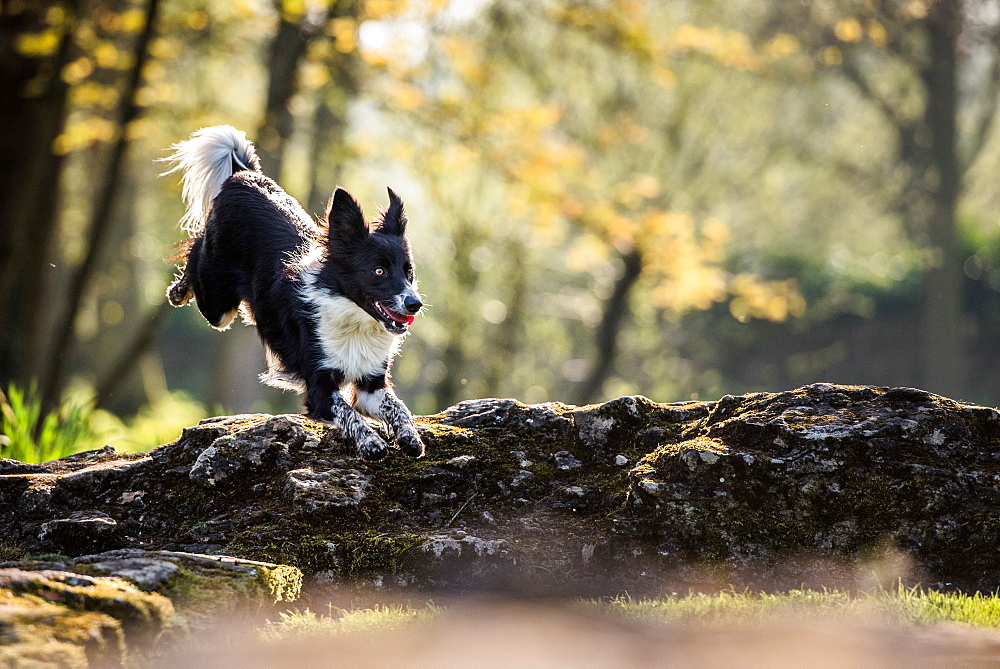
{"x":332,"y":300}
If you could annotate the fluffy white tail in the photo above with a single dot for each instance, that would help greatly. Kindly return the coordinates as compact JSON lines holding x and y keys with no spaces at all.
{"x":206,"y":160}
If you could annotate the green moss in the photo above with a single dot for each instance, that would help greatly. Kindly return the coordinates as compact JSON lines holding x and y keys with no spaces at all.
{"x":203,"y":589}
{"x":344,"y":553}
{"x":49,"y":557}
{"x":37,"y":633}
{"x":378,"y":554}
{"x":283,"y":581}
{"x":97,"y":617}
{"x":10,"y":551}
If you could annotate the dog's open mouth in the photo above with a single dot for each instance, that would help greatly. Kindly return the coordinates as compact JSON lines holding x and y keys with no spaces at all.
{"x":393,"y":322}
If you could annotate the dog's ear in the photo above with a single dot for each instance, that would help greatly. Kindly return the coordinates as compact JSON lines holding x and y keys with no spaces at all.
{"x":394,"y":218}
{"x":344,"y":216}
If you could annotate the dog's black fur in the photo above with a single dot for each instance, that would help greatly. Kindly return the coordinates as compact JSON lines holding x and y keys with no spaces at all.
{"x":330,"y":302}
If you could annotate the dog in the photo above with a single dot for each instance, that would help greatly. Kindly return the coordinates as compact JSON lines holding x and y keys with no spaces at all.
{"x":331,"y":300}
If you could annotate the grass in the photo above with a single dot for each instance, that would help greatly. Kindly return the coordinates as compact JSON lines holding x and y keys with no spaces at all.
{"x":29,"y":435}
{"x":304,"y":623}
{"x":903,"y":607}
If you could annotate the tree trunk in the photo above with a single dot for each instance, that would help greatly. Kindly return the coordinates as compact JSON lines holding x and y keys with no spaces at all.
{"x":285,"y":55}
{"x":945,"y":358}
{"x":503,"y":347}
{"x":616,"y":308}
{"x":32,"y":114}
{"x":454,"y":354}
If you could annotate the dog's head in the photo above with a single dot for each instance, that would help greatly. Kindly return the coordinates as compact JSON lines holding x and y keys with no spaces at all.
{"x":373,"y":264}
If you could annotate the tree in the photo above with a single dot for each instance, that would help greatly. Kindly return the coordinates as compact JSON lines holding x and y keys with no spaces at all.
{"x":101,"y":219}
{"x":36,"y":44}
{"x":928,"y":47}
{"x":615,"y":177}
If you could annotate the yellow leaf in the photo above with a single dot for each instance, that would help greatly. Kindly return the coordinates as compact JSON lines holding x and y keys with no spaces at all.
{"x":164,"y":48}
{"x":831,"y":56}
{"x":314,"y":75}
{"x":878,"y":34}
{"x":35,"y":45}
{"x":407,"y":97}
{"x":54,"y":16}
{"x":344,"y":31}
{"x":775,"y":301}
{"x":153,"y":70}
{"x":292,"y":11}
{"x":848,"y":30}
{"x":77,"y":71}
{"x":106,"y":55}
{"x":197,"y":20}
{"x":781,"y":46}
{"x":664,"y":76}
{"x":917,"y":9}
{"x":134,"y":20}
{"x":381,"y":9}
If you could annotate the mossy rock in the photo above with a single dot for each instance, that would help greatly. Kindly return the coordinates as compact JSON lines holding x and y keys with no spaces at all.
{"x":603,"y":498}
{"x":99,"y":609}
{"x":36,"y":633}
{"x":71,"y":619}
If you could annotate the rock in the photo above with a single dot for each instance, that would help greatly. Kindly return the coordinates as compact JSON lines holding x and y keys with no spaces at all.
{"x":80,"y":531}
{"x":95,"y":610}
{"x":145,"y":572}
{"x":309,"y":490}
{"x":835,"y":468}
{"x":565,"y":460}
{"x":55,"y":617}
{"x":746,"y":484}
{"x":231,"y":455}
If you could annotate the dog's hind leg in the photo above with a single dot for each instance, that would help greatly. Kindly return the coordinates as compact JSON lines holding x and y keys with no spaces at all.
{"x":376,"y":399}
{"x":219,"y":307}
{"x":180,"y":292}
{"x":216,"y":289}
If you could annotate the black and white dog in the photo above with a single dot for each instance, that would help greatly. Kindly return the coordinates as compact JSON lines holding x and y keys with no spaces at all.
{"x":331,"y":302}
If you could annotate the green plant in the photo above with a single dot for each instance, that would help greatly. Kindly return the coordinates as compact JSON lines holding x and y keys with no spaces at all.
{"x":299,"y":623}
{"x":28,"y":435}
{"x":902,"y":605}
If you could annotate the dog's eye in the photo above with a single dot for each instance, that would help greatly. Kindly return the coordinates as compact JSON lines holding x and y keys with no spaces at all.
{"x":379,"y":271}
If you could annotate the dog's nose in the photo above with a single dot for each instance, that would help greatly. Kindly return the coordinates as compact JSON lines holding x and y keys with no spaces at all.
{"x":412,"y":304}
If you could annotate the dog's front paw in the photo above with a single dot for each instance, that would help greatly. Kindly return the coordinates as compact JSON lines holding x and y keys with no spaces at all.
{"x":409,"y":442}
{"x":372,"y":447}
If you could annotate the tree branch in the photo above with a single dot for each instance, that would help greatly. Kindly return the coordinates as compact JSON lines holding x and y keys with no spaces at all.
{"x":854,"y":75}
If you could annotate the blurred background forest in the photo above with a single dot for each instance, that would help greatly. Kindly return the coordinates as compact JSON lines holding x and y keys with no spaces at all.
{"x":680,"y":199}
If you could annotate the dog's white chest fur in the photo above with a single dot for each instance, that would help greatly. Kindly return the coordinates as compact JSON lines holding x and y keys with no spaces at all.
{"x":352,"y":341}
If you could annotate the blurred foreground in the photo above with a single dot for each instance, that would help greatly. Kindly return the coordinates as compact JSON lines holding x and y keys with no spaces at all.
{"x":532,"y":634}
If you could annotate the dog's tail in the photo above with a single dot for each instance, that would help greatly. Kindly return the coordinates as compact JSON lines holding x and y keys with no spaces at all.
{"x":205,"y":161}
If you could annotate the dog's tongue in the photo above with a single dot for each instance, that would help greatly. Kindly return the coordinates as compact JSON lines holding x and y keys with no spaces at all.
{"x":400,"y":318}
